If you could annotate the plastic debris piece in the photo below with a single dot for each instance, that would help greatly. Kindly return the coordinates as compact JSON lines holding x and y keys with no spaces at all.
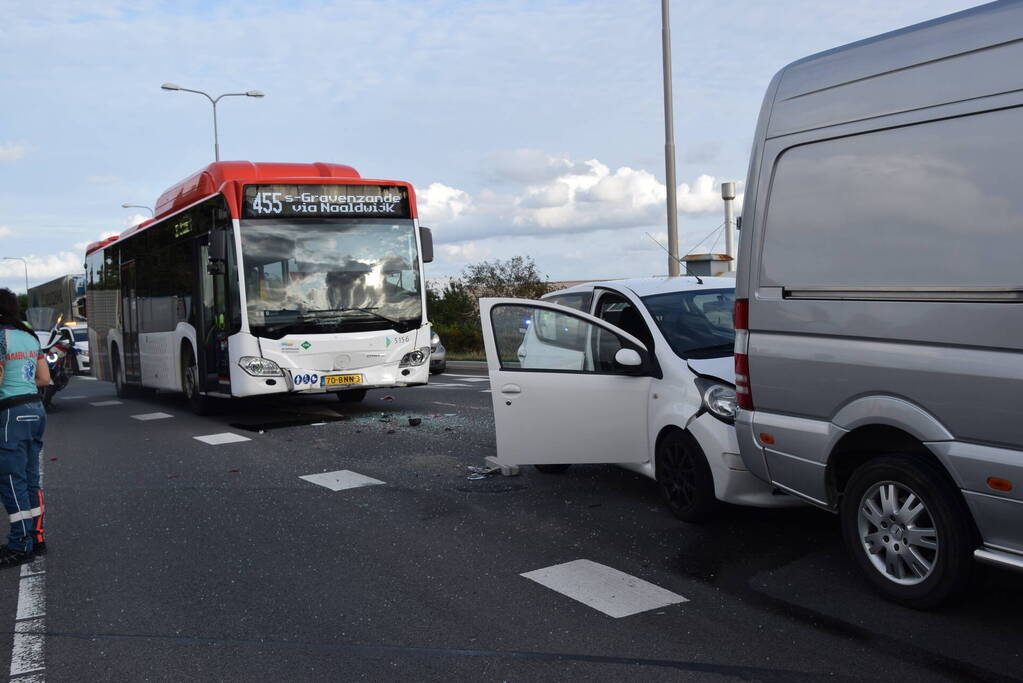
{"x":387,"y":398}
{"x":53,"y":460}
{"x":232,"y":471}
{"x":390,"y":431}
{"x":172,"y":476}
{"x":477,"y":472}
{"x":415,"y":421}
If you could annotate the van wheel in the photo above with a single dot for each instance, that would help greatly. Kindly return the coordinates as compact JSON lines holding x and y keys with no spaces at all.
{"x":908,"y":530}
{"x":552,"y":469}
{"x":685,"y":479}
{"x":200,"y":405}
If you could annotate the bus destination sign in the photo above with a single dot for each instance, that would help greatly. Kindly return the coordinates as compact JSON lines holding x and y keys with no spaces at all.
{"x":326,"y":201}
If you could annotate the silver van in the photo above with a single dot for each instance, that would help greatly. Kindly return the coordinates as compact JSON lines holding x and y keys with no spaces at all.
{"x":879,"y":312}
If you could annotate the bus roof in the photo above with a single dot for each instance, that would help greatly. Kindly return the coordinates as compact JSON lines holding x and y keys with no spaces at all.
{"x":212,"y":179}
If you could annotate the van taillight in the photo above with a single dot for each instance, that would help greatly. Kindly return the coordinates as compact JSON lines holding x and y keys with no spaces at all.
{"x":742,"y":391}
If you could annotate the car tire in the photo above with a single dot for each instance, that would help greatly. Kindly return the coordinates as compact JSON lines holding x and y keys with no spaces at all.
{"x":552,"y":469}
{"x":200,"y":404}
{"x":351,"y":395}
{"x":915,"y":551}
{"x":440,"y":369}
{"x":684,"y":478}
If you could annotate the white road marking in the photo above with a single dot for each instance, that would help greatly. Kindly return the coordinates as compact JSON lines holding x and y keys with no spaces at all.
{"x":30,"y":627}
{"x":218,"y":439}
{"x":444,"y":385}
{"x":608,"y":590}
{"x":88,"y":378}
{"x":486,"y":391}
{"x":341,"y":480}
{"x":469,"y":378}
{"x":151,"y":416}
{"x":70,"y":398}
{"x":100,"y":404}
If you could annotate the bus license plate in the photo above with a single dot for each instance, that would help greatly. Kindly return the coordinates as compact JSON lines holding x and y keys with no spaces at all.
{"x":339,"y":380}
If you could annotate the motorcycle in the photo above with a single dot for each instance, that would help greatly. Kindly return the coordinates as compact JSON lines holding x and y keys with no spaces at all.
{"x":60,"y":354}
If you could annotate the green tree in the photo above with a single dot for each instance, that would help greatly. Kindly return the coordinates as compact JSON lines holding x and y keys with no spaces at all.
{"x":517,"y":278}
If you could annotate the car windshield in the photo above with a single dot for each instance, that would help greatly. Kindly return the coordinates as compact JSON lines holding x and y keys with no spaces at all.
{"x":697,"y":323}
{"x":306,"y":276}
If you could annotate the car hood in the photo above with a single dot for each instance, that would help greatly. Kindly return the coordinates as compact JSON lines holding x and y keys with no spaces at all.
{"x":720,"y":368}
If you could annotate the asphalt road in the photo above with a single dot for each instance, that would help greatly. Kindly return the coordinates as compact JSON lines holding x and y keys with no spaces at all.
{"x":174,"y":559}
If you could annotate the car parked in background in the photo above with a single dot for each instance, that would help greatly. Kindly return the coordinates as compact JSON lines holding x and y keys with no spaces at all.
{"x":633,"y":372}
{"x":438,"y":355}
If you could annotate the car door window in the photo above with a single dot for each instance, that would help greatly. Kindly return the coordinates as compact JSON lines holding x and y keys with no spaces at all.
{"x":535,"y":338}
{"x":621,"y":313}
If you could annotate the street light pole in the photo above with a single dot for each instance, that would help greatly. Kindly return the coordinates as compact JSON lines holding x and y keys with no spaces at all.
{"x":139,"y":206}
{"x":213,"y":101}
{"x":669,"y":143}
{"x":24,"y":263}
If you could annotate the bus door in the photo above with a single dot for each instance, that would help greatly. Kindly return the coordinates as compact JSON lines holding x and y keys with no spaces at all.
{"x":130,"y":323}
{"x":214,"y":372}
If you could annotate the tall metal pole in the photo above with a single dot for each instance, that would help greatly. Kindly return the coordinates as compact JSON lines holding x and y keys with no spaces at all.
{"x":728,"y":194}
{"x":24,"y":263}
{"x":669,"y":143}
{"x":216,"y":139}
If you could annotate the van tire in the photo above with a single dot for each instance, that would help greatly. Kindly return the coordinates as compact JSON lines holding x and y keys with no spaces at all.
{"x":551,"y":469}
{"x":684,"y":478}
{"x":940,"y":572}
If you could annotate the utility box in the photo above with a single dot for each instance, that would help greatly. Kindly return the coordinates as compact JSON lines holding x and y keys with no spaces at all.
{"x":708,"y":265}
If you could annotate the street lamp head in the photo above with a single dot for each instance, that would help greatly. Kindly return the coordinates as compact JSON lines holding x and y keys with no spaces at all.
{"x":255,"y":93}
{"x":171,"y":86}
{"x":126,"y":206}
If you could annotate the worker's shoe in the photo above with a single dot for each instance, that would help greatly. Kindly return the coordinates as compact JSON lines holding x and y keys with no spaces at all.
{"x":39,"y":548}
{"x":12,"y":558}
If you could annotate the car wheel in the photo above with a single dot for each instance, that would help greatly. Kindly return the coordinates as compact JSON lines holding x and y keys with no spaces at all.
{"x":552,"y":469}
{"x":439,"y":369}
{"x":200,"y":405}
{"x":908,"y":530}
{"x":351,"y":395}
{"x":685,"y":479}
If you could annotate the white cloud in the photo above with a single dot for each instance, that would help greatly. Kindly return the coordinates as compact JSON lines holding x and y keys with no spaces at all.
{"x":43,"y":267}
{"x":12,"y":152}
{"x":6,"y":231}
{"x":582,"y":196}
{"x":82,"y":246}
{"x":134,"y":220}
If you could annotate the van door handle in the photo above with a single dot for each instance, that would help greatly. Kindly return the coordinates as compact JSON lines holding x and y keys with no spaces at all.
{"x":511,"y":389}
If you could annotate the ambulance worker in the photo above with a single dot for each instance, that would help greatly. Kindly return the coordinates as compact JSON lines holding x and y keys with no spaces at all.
{"x":22,"y":420}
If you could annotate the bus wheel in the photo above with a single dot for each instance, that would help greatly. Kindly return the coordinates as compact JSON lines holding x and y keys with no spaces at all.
{"x":200,"y":405}
{"x":120,"y":386}
{"x":351,"y":396}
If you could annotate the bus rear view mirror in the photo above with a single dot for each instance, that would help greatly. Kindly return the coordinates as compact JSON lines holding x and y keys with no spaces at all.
{"x":426,"y":242}
{"x":218,"y":253}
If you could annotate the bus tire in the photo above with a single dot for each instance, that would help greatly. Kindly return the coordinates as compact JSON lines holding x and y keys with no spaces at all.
{"x":351,"y":395}
{"x":200,"y":404}
{"x":120,"y":385}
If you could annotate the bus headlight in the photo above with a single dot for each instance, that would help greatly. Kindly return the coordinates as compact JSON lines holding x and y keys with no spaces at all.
{"x":718,"y":399}
{"x":259,"y":367}
{"x":415,"y":358}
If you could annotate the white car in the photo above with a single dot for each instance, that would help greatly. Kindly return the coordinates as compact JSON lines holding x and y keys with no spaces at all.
{"x":634,"y":372}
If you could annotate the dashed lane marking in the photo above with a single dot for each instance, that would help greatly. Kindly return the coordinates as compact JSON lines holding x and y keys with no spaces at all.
{"x":469,"y":378}
{"x":603,"y":588}
{"x":145,"y":417}
{"x":219,"y":439}
{"x":341,"y":480}
{"x":100,"y":404}
{"x":30,"y":625}
{"x":87,"y":378}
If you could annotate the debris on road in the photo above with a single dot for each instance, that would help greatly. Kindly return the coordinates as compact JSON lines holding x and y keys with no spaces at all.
{"x":415,"y":421}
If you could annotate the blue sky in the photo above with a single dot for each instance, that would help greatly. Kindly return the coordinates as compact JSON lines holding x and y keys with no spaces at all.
{"x":528,"y":128}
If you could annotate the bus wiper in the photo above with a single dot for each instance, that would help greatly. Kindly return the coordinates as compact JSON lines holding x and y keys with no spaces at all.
{"x":372,"y":312}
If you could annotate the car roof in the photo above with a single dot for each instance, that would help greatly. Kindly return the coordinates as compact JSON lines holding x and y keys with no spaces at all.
{"x":646,"y":286}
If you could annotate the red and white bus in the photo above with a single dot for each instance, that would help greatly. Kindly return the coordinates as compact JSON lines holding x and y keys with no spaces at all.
{"x":265,"y":278}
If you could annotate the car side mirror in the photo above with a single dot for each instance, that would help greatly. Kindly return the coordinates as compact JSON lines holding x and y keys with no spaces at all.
{"x":426,"y":244}
{"x":629,"y":358}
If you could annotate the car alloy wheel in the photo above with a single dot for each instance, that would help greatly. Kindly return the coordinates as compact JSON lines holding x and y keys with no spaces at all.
{"x":684,"y":477}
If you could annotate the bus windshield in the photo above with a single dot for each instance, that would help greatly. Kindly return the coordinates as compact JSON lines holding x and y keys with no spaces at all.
{"x":315,"y":276}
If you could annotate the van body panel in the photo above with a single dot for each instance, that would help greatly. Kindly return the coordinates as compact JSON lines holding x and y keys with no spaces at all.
{"x":881,"y":237}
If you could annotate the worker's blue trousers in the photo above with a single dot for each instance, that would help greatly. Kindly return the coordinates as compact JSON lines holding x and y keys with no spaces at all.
{"x":21,"y":442}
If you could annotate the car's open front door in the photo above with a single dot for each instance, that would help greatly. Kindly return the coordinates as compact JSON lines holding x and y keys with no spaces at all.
{"x":561,"y":392}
